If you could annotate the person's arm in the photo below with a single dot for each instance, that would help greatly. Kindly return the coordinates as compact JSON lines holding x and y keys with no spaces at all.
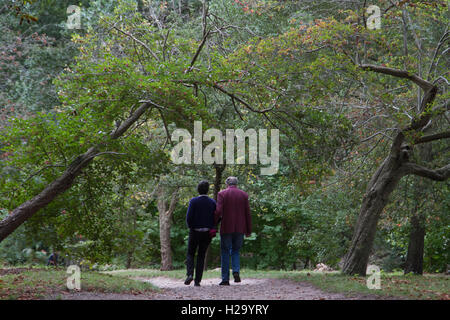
{"x":248,"y":218}
{"x":190,"y":214}
{"x":219,"y":209}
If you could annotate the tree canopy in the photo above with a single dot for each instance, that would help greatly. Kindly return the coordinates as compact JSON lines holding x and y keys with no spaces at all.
{"x":85,"y":135}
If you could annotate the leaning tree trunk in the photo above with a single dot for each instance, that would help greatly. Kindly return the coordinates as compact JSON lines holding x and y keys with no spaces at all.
{"x":27,"y":209}
{"x":414,"y":258}
{"x":165,"y":224}
{"x":377,"y":195}
{"x":394,"y":167}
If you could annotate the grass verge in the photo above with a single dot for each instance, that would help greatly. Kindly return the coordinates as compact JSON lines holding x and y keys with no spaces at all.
{"x":393,"y":285}
{"x":38,"y":283}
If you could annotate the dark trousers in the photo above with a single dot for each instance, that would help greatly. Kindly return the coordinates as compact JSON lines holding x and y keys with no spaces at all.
{"x":200,"y":240}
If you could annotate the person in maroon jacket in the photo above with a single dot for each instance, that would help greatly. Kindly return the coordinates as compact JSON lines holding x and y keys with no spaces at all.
{"x":233,"y":210}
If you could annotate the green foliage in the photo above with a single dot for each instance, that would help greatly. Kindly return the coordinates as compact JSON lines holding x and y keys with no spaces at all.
{"x":265,"y":64}
{"x":332,"y":214}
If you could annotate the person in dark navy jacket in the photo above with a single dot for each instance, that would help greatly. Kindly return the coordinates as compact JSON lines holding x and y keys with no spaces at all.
{"x":200,"y":221}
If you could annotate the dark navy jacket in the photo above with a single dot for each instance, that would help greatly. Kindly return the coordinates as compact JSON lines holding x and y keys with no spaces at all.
{"x":200,"y":213}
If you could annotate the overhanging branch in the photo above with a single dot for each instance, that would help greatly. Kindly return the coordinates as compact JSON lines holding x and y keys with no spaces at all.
{"x":425,"y":85}
{"x":125,"y":125}
{"x":433,"y":137}
{"x":440,"y":174}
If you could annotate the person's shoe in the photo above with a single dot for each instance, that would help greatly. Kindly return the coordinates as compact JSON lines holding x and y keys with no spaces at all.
{"x":188,"y":280}
{"x":224,"y":283}
{"x":197,"y":284}
{"x":236,"y":277}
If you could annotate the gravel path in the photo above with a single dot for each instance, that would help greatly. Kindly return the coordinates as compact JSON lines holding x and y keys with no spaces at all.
{"x":248,"y":289}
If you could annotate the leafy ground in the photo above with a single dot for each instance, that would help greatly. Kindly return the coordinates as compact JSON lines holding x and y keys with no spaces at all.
{"x":39,"y":283}
{"x":48,"y":283}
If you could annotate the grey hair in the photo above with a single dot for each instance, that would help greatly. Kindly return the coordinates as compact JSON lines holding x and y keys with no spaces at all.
{"x":231,"y":181}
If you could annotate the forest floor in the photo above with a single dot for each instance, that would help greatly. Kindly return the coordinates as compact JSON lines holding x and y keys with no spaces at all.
{"x":150,"y":284}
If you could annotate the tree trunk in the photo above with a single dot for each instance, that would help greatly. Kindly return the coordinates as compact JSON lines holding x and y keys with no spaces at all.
{"x":377,"y":195}
{"x":165,"y":224}
{"x":27,"y":209}
{"x":218,"y":179}
{"x":57,"y":187}
{"x":217,"y":183}
{"x":394,"y":167}
{"x":305,"y":266}
{"x":132,"y":240}
{"x":164,"y":236}
{"x":129,"y":259}
{"x":414,"y":258}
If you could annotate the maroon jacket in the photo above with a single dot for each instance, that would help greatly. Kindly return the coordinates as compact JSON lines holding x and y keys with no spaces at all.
{"x":234,"y":209}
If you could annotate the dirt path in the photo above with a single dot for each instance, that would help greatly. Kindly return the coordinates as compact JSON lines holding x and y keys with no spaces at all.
{"x":248,"y":289}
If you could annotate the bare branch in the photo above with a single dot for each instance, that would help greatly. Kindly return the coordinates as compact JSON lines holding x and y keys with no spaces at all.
{"x":438,"y":47}
{"x":125,"y":125}
{"x":441,"y":174}
{"x":152,"y":103}
{"x":443,"y":79}
{"x":425,"y":85}
{"x":205,"y":9}
{"x":165,"y":44}
{"x":236,"y":109}
{"x":138,"y":41}
{"x":110,"y":152}
{"x":168,"y":140}
{"x":231,"y":95}
{"x":433,"y":137}
{"x":378,"y":133}
{"x":199,"y":49}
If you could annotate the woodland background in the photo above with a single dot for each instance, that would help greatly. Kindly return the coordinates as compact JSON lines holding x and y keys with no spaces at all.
{"x":291,"y":65}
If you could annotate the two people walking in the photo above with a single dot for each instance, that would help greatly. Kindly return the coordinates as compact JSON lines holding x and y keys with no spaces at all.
{"x":232,"y":210}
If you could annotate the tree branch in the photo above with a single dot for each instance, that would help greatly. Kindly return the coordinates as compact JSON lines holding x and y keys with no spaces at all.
{"x":441,"y":174}
{"x":199,"y":49}
{"x":438,"y":47}
{"x":27,"y":209}
{"x":168,"y":140}
{"x":125,"y":125}
{"x":425,"y":85}
{"x":236,"y":109}
{"x":433,"y":137}
{"x":110,"y":152}
{"x":231,"y":95}
{"x":173,"y":201}
{"x":138,"y":41}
